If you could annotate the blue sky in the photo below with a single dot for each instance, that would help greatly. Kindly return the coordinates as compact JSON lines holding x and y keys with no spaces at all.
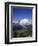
{"x":19,"y":13}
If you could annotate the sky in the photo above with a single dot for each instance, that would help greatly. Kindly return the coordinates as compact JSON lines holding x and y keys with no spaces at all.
{"x":19,"y":13}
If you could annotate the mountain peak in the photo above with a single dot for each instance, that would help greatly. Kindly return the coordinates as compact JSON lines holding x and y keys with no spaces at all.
{"x":23,"y":22}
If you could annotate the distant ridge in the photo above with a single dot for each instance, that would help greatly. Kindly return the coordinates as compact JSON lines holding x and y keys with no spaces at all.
{"x":23,"y":23}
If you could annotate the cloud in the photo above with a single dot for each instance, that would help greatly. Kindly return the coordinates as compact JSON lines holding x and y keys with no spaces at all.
{"x":14,"y":21}
{"x":25,"y":22}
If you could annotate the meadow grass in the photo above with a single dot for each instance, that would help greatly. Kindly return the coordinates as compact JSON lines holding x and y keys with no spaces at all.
{"x":24,"y":33}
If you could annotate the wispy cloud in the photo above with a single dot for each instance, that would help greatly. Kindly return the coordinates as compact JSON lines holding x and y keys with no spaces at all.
{"x":14,"y":21}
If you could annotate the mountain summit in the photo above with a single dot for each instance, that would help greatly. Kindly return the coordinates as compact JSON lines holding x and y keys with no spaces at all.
{"x":23,"y":23}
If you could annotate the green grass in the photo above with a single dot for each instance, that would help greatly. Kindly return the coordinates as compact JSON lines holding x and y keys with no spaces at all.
{"x":24,"y":33}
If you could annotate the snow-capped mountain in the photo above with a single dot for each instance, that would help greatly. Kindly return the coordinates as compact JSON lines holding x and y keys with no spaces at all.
{"x":23,"y":23}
